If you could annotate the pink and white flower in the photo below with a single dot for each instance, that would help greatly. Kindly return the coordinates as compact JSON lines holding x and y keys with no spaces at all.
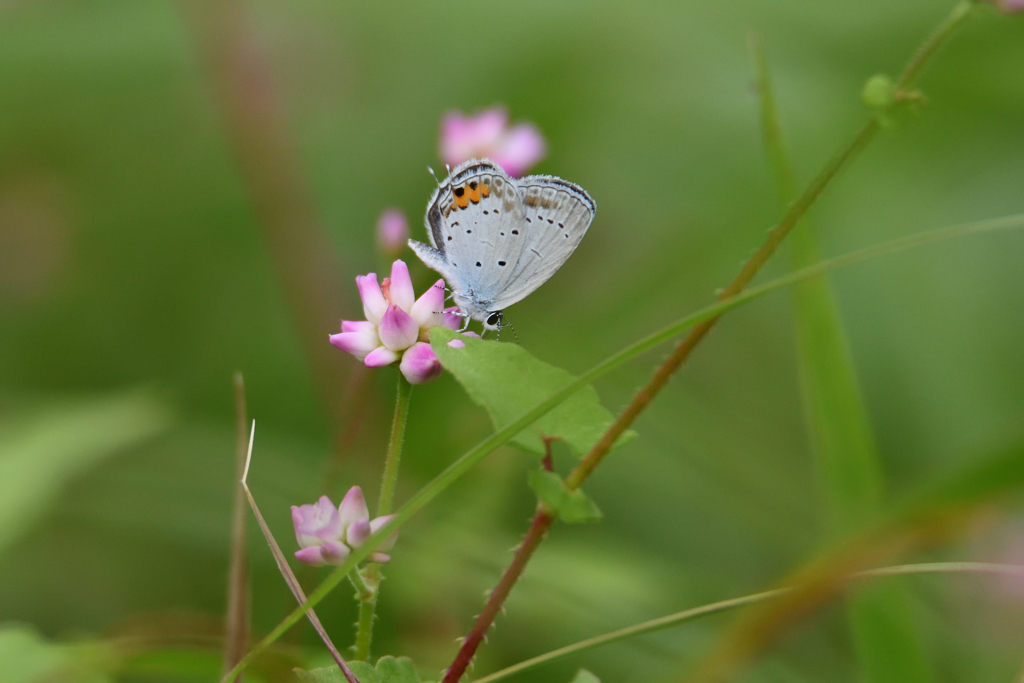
{"x":488,"y":134}
{"x":328,"y":534}
{"x":397,"y":324}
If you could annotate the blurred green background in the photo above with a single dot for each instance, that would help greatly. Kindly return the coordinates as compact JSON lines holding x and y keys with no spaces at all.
{"x":187,"y":190}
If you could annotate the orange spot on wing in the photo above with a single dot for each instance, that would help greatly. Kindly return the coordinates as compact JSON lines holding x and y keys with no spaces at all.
{"x":485,"y":191}
{"x":474,"y":195}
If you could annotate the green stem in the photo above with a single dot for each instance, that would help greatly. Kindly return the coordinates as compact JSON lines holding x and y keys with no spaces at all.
{"x":678,"y":618}
{"x":961,"y":12}
{"x":369,"y":590}
{"x":394,"y":456}
{"x":467,"y":460}
{"x":367,"y":597}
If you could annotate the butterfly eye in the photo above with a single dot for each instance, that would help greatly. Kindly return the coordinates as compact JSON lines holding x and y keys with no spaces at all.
{"x":493,"y":319}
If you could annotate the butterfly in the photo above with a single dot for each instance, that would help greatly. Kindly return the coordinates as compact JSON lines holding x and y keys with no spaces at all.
{"x":496,"y":239}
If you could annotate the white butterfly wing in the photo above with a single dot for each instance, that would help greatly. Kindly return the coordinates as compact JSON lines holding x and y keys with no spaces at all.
{"x":556,"y":216}
{"x":474,"y":221}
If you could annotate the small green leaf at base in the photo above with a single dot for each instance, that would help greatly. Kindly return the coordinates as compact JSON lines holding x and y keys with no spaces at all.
{"x":570,"y":506}
{"x":507,"y":381}
{"x":388,"y":670}
{"x":584,"y":676}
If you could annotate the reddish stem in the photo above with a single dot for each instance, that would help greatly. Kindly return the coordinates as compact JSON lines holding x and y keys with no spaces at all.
{"x":538,"y":530}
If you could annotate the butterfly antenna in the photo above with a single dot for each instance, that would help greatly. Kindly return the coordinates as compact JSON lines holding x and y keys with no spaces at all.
{"x":434,"y":175}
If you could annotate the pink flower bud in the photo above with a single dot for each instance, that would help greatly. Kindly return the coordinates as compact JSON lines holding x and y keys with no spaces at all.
{"x":353,"y":507}
{"x":420,"y":364}
{"x":380,"y":357}
{"x":392,"y":231}
{"x":357,"y":532}
{"x":452,"y":320}
{"x":401,"y":291}
{"x":357,"y":338}
{"x":378,"y":524}
{"x":428,"y":310}
{"x":398,"y":331}
{"x":374,"y":303}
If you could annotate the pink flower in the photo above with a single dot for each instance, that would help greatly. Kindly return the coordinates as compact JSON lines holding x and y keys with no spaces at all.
{"x":487,"y":134}
{"x":396,"y":322}
{"x":327,"y":534}
{"x":420,"y":364}
{"x":392,"y":231}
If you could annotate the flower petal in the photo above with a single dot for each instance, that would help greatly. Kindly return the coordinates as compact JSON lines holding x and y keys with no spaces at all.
{"x":457,"y":344}
{"x":392,"y":231}
{"x":428,"y":311}
{"x":358,"y":531}
{"x":334,"y":552}
{"x":311,"y":556}
{"x":378,"y":524}
{"x":317,"y":523}
{"x":402,"y":294}
{"x":374,"y":303}
{"x":522,"y":147}
{"x":353,"y":507}
{"x":452,"y":320}
{"x":358,"y":326}
{"x":359,"y":344}
{"x":380,"y":558}
{"x":463,"y":137}
{"x":380,"y":357}
{"x":398,"y":331}
{"x":420,"y":364}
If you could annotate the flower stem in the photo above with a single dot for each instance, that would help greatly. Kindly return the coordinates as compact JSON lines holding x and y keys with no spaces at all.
{"x":394,"y":456}
{"x":368,"y":590}
{"x":367,"y":597}
{"x":538,"y":529}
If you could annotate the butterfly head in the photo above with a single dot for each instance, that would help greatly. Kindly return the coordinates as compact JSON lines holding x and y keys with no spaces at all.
{"x":494,"y":321}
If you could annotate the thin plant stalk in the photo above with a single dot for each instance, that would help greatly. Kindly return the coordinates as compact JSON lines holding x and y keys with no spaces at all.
{"x":239,"y":595}
{"x":542,"y":521}
{"x":882,"y":629}
{"x":368,"y":584}
{"x":286,"y":572}
{"x":673,"y":620}
{"x":796,"y":211}
{"x":467,"y":460}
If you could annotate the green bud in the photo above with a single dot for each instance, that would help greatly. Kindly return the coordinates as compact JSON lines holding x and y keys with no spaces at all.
{"x":879,"y":92}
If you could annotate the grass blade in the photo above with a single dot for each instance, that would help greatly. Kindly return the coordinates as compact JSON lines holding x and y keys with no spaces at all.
{"x":286,"y":570}
{"x":881,"y":623}
{"x":239,"y":594}
{"x":695,"y":613}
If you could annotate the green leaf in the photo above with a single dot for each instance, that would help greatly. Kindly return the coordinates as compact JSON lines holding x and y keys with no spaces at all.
{"x":883,"y":630}
{"x":45,"y":450}
{"x":25,"y":657}
{"x":570,"y":506}
{"x":397,"y":670}
{"x":388,"y":670}
{"x":584,"y":676}
{"x":507,"y":381}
